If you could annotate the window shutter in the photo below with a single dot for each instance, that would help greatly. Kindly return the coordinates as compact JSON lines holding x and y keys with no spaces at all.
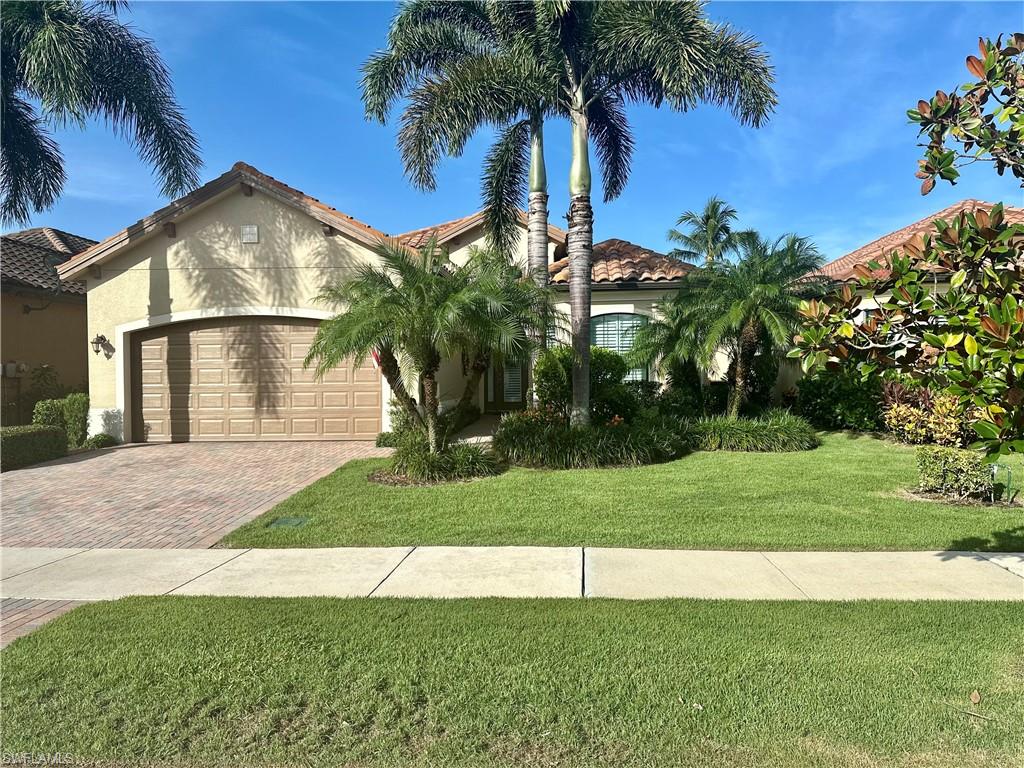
{"x":616,"y":332}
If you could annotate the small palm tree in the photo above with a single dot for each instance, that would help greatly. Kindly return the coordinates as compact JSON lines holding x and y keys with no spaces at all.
{"x":711,"y":234}
{"x":76,"y":60}
{"x":417,"y":308}
{"x":745,"y":308}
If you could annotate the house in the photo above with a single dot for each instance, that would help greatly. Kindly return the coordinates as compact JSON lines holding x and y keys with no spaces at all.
{"x":203,"y":312}
{"x":43,"y":317}
{"x":842,"y":269}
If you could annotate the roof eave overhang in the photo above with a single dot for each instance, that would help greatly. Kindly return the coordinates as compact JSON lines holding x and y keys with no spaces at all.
{"x":628,"y":285}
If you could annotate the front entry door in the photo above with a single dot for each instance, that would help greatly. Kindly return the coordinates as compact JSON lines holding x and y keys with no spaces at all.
{"x":506,"y":388}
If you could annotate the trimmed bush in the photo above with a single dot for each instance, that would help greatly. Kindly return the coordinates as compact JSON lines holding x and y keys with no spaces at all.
{"x":414,"y":461}
{"x":953,"y":472}
{"x":543,"y":440}
{"x":775,"y":431}
{"x":102,"y":440}
{"x":49,"y":413}
{"x":76,"y":418}
{"x":840,"y":400}
{"x":31,"y":444}
{"x":609,"y":396}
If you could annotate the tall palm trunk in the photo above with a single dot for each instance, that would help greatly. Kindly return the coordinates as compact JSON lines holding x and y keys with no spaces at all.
{"x":537,"y":227}
{"x":744,"y":365}
{"x":580,"y":247}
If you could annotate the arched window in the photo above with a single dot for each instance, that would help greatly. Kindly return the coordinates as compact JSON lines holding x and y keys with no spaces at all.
{"x":616,"y":332}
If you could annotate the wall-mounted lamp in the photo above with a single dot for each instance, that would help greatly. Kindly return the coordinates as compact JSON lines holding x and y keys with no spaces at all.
{"x":99,"y":343}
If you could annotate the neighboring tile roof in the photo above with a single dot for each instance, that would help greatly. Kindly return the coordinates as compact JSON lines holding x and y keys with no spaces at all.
{"x":619,"y":261}
{"x":53,"y":239}
{"x":29,"y":258}
{"x":842,"y":268}
{"x":447,"y":230}
{"x":240,"y":173}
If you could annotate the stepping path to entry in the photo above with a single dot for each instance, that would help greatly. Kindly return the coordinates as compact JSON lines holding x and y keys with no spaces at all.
{"x":56,"y":574}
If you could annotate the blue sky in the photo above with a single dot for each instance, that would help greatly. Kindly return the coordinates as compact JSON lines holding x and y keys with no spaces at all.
{"x":277,"y":85}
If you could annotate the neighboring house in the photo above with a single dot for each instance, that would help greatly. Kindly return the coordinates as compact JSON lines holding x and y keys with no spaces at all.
{"x":842,"y":269}
{"x":206,"y":308}
{"x":44,"y":317}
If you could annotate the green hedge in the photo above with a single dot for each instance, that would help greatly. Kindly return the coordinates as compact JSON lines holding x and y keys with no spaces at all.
{"x":70,"y":413}
{"x":840,"y":400}
{"x":76,"y":418}
{"x":31,"y":444}
{"x":954,"y":472}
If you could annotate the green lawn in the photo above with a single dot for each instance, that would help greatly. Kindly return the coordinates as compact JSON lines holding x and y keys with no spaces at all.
{"x":496,"y":683}
{"x":847,"y":494}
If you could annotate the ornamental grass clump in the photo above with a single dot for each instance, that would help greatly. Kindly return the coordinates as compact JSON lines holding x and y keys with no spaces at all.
{"x":542,"y":439}
{"x":414,"y":461}
{"x":775,"y":431}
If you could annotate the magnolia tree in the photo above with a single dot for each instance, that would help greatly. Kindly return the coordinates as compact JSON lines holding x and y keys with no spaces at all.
{"x":983,"y":122}
{"x":967,"y":341}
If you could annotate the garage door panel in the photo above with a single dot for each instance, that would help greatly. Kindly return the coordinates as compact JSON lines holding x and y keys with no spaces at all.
{"x":243,"y":379}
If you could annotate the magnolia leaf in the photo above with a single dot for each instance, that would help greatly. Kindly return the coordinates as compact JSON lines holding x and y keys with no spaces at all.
{"x":970,"y":345}
{"x":986,"y":429}
{"x":975,"y":697}
{"x":957,"y":279}
{"x":846,"y":329}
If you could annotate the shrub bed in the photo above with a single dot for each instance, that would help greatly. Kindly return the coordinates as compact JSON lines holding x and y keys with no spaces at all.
{"x":542,"y":440}
{"x":776,"y":431}
{"x":955,"y":473}
{"x":610,"y":396}
{"x":840,"y":400}
{"x":31,"y":444}
{"x":413,"y":460}
{"x":76,"y":418}
{"x":102,"y":440}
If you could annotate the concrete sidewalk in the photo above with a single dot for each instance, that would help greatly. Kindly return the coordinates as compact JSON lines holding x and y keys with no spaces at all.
{"x":104,"y":574}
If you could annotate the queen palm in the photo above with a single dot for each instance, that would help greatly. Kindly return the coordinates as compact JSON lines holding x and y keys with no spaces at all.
{"x":415,"y":309}
{"x":711,"y":234}
{"x":590,"y":60}
{"x":745,"y":308}
{"x":77,"y":61}
{"x":436,"y":41}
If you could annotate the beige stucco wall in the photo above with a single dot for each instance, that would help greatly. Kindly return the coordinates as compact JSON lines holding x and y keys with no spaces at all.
{"x":54,"y":336}
{"x":459,"y":247}
{"x":205,"y":270}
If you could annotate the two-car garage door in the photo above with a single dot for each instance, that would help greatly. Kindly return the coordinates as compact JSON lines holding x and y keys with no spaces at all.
{"x":241,"y":378}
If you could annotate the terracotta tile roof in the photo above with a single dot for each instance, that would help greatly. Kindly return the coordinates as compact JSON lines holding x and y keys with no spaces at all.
{"x":53,"y":239}
{"x":240,"y":173}
{"x":619,"y":261}
{"x":842,"y":268}
{"x":447,"y":230}
{"x":25,"y":264}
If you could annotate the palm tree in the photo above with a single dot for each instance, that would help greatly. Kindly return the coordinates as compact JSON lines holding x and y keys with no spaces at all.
{"x":746,"y":308}
{"x":417,"y":308}
{"x":711,"y":234}
{"x":77,"y":60}
{"x":584,"y":61}
{"x":431,"y":42}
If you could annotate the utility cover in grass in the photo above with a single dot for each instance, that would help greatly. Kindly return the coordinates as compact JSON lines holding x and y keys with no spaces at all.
{"x":289,"y":522}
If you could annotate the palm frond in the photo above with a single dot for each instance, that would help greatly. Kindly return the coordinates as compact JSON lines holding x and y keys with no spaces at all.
{"x":504,"y":185}
{"x":610,"y":132}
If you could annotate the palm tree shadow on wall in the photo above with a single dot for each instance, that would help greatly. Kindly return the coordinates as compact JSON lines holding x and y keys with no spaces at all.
{"x":215,"y":270}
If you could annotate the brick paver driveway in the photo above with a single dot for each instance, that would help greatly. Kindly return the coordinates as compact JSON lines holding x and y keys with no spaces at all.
{"x":160,"y":495}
